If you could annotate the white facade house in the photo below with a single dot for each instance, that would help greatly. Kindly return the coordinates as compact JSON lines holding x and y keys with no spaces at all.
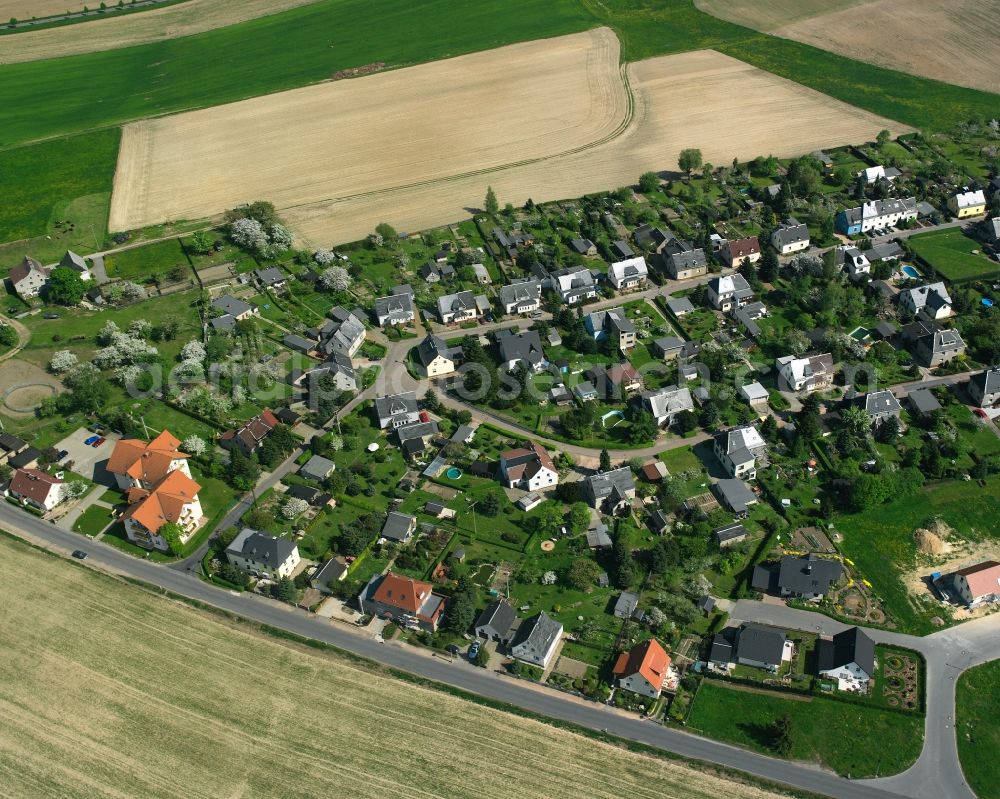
{"x":739,"y":449}
{"x":262,"y":555}
{"x":849,"y":659}
{"x":805,"y":374}
{"x":36,"y":488}
{"x":529,"y":467}
{"x":665,"y":403}
{"x":978,"y":585}
{"x":930,"y":302}
{"x":855,"y":262}
{"x":573,"y":285}
{"x":521,"y":297}
{"x":729,"y":291}
{"x":790,"y":236}
{"x":629,"y":274}
{"x":876,"y":214}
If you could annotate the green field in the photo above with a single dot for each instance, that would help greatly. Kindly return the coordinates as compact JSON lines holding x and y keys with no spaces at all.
{"x":140,"y":263}
{"x":951,"y":254}
{"x":93,"y":520}
{"x":977,"y":728}
{"x":852,"y":739}
{"x":881,"y":543}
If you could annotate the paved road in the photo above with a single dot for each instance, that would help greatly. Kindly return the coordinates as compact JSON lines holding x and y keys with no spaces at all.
{"x":937,"y":772}
{"x":459,"y":674}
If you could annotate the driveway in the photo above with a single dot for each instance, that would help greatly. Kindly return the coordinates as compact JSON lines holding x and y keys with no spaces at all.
{"x":89,"y":461}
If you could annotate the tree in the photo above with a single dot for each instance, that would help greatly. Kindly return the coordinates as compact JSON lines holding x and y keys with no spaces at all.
{"x":491,"y":204}
{"x":248,"y":234}
{"x":65,"y":287}
{"x":194,"y":445}
{"x":882,"y":138}
{"x":387,"y":232}
{"x":335,"y":278}
{"x":8,"y":335}
{"x":643,"y":428}
{"x":171,"y":532}
{"x":781,"y":735}
{"x":462,"y":610}
{"x":623,"y":564}
{"x":490,"y":504}
{"x":582,"y":574}
{"x":689,"y":160}
{"x":285,"y":591}
{"x":243,"y":471}
{"x":201,"y":242}
{"x":605,"y":462}
{"x":294,"y":507}
{"x":768,"y":269}
{"x":579,"y":517}
{"x":63,"y":360}
{"x":649,"y":181}
{"x":665,"y":555}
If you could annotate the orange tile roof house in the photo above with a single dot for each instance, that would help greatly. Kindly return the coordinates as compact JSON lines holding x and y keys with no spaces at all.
{"x":36,"y":488}
{"x":159,"y":489}
{"x":644,"y":669}
{"x":977,"y":585}
{"x":252,"y":434}
{"x":410,"y":602}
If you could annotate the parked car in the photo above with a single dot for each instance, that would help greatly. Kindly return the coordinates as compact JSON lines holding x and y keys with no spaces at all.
{"x":79,"y":554}
{"x":99,"y":441}
{"x":474,"y":650}
{"x":90,"y":440}
{"x":452,"y":649}
{"x":61,"y":454}
{"x":51,"y":316}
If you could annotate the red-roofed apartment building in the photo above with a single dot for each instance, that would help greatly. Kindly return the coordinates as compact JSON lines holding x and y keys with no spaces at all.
{"x":528,"y":467}
{"x":159,"y":489}
{"x":644,"y":669}
{"x":252,"y":434}
{"x":36,"y":488}
{"x":979,"y":584}
{"x":409,"y":602}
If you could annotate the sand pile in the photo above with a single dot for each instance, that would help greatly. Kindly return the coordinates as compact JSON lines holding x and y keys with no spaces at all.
{"x":929,"y":543}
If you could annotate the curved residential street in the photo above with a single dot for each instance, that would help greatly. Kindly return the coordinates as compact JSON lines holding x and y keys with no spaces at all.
{"x":935,"y":774}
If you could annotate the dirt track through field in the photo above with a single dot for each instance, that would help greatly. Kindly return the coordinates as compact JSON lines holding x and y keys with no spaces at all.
{"x":418,"y":147}
{"x":954,"y":41}
{"x":107,"y":690}
{"x":142,"y":27}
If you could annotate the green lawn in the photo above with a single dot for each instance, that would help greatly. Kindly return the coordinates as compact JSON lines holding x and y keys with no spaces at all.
{"x":93,"y":520}
{"x":854,"y":740}
{"x":951,"y":254}
{"x":140,"y":263}
{"x":881,"y":542}
{"x":978,"y":730}
{"x":63,"y":180}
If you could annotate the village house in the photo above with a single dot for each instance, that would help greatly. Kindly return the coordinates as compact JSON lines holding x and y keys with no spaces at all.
{"x":644,"y":669}
{"x":984,"y":387}
{"x":272,"y":279}
{"x":848,"y":658}
{"x":343,"y":333}
{"x":397,"y":410}
{"x":810,"y":577}
{"x":728,"y":292}
{"x":811,"y":373}
{"x":739,"y":450}
{"x":741,"y":251}
{"x":735,"y":495}
{"x":686,"y":261}
{"x":931,"y":301}
{"x":876,"y":214}
{"x":978,"y":585}
{"x":932,"y":345}
{"x":408,"y":602}
{"x":328,"y":575}
{"x":629,"y":275}
{"x":29,"y":277}
{"x":251,"y":434}
{"x":262,"y":555}
{"x":790,"y":236}
{"x":453,"y":309}
{"x":436,"y":357}
{"x":77,"y":263}
{"x":967,"y":203}
{"x":573,"y":285}
{"x":536,"y":640}
{"x":649,"y":238}
{"x":524,"y":348}
{"x":231,"y":310}
{"x":880,"y":406}
{"x":760,"y":647}
{"x":854,"y":261}
{"x":873,"y":174}
{"x":496,"y":622}
{"x":666,"y":403}
{"x":528,"y":467}
{"x":399,"y":527}
{"x":583,"y":247}
{"x":613,"y":325}
{"x":36,"y":488}
{"x":610,"y":492}
{"x":521,"y":297}
{"x":395,"y":309}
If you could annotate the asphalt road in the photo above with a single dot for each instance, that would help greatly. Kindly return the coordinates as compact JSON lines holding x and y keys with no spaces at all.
{"x":458,"y":673}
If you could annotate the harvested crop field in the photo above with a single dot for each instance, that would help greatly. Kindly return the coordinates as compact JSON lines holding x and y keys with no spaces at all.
{"x":761,"y":114}
{"x":555,"y":120}
{"x":954,"y":42}
{"x":357,"y":137}
{"x":154,"y":25}
{"x":107,"y":690}
{"x":27,"y":9}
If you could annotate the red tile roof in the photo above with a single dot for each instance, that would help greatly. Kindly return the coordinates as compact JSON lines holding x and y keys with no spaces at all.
{"x":648,"y":659}
{"x":148,"y":463}
{"x":983,"y":578}
{"x":165,"y":503}
{"x":33,"y":484}
{"x":740,"y":248}
{"x":402,"y":592}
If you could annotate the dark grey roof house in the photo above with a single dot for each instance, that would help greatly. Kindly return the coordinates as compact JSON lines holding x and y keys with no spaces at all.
{"x":626,"y":605}
{"x":809,"y":577}
{"x":496,"y":622}
{"x":760,"y":646}
{"x":848,"y":656}
{"x":611,"y":491}
{"x":735,"y":494}
{"x":730,"y":535}
{"x":536,"y":640}
{"x":399,"y":526}
{"x":922,"y":401}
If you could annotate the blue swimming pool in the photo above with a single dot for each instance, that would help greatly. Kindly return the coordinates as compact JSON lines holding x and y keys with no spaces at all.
{"x":910,"y":271}
{"x":453,"y":473}
{"x":987,"y":302}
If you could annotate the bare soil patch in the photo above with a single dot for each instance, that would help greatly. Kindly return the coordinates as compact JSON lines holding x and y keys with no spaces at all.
{"x":82,"y":716}
{"x":344,"y":141}
{"x":171,"y":22}
{"x":23,"y":386}
{"x":958,"y":554}
{"x":954,"y":41}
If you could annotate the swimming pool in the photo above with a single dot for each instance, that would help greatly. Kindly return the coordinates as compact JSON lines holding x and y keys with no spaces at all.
{"x":859,"y":333}
{"x":612,"y":414}
{"x":453,"y":473}
{"x":910,"y":271}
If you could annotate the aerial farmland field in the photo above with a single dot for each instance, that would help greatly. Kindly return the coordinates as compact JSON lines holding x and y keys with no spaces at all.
{"x":107,"y":689}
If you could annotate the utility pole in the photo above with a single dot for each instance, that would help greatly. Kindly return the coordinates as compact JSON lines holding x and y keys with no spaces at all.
{"x":144,"y":428}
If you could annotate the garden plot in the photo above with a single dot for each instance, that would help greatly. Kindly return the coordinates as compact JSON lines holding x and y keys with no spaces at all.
{"x":82,"y":717}
{"x":344,"y":141}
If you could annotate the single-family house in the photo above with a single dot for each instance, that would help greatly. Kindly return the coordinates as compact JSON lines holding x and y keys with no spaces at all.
{"x":409,"y":602}
{"x":496,"y":622}
{"x":741,"y":251}
{"x":923,"y":402}
{"x":880,"y":406}
{"x":790,"y":236}
{"x":337,"y":368}
{"x":621,"y":379}
{"x":810,"y":577}
{"x":967,"y":203}
{"x":873,"y":174}
{"x":680,"y":306}
{"x":730,"y":535}
{"x":272,"y":279}
{"x":397,"y":410}
{"x":854,"y":261}
{"x":759,"y":646}
{"x":329,"y":574}
{"x":848,"y":658}
{"x":938,"y":347}
{"x":583,"y":247}
{"x":626,"y":605}
{"x":573,"y":285}
{"x":436,"y":357}
{"x":453,"y":309}
{"x":658,"y":521}
{"x":931,"y":301}
{"x":735,"y":495}
{"x":251,"y":434}
{"x":720,"y":657}
{"x":36,"y":488}
{"x":669,"y":347}
{"x":644,"y":669}
{"x":876,"y":214}
{"x":810,"y":373}
{"x":628,"y":275}
{"x":610,"y":492}
{"x":227,"y":305}
{"x":262,"y":555}
{"x":612,"y":324}
{"x":77,"y":263}
{"x":650,"y":238}
{"x":399,"y":527}
{"x":984,"y":387}
{"x":29,"y":277}
{"x":536,"y":640}
{"x":430,"y":272}
{"x":991,"y":230}
{"x":395,"y":309}
{"x":343,"y":333}
{"x":317,"y":468}
{"x":524,"y":348}
{"x":585,"y":391}
{"x":686,"y":261}
{"x":979,"y":584}
{"x":729,"y":291}
{"x":521,"y":297}
{"x":739,"y":450}
{"x":666,"y":403}
{"x":529,"y":467}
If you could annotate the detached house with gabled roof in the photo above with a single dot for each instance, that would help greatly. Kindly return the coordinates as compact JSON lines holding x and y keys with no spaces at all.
{"x":978,"y":585}
{"x":454,"y":309}
{"x":759,"y":646}
{"x":396,"y":309}
{"x":848,"y":658}
{"x":521,"y":297}
{"x":262,"y":555}
{"x":643,"y":670}
{"x":77,"y":263}
{"x":741,"y":251}
{"x":613,"y":325}
{"x":573,"y":285}
{"x":524,"y":348}
{"x":343,"y":334}
{"x":29,"y":277}
{"x":610,"y":492}
{"x":931,"y":301}
{"x":739,"y":451}
{"x":628,"y":275}
{"x":967,"y":203}
{"x":496,"y":622}
{"x":250,"y":436}
{"x":397,"y":410}
{"x":729,"y":291}
{"x":790,"y":236}
{"x":436,"y":357}
{"x":409,"y":602}
{"x":984,"y":387}
{"x":529,"y":467}
{"x":36,"y":488}
{"x":536,"y":640}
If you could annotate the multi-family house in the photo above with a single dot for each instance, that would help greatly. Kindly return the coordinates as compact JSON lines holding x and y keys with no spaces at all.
{"x":967,"y":203}
{"x":29,"y":277}
{"x":262,"y":555}
{"x":876,"y":214}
